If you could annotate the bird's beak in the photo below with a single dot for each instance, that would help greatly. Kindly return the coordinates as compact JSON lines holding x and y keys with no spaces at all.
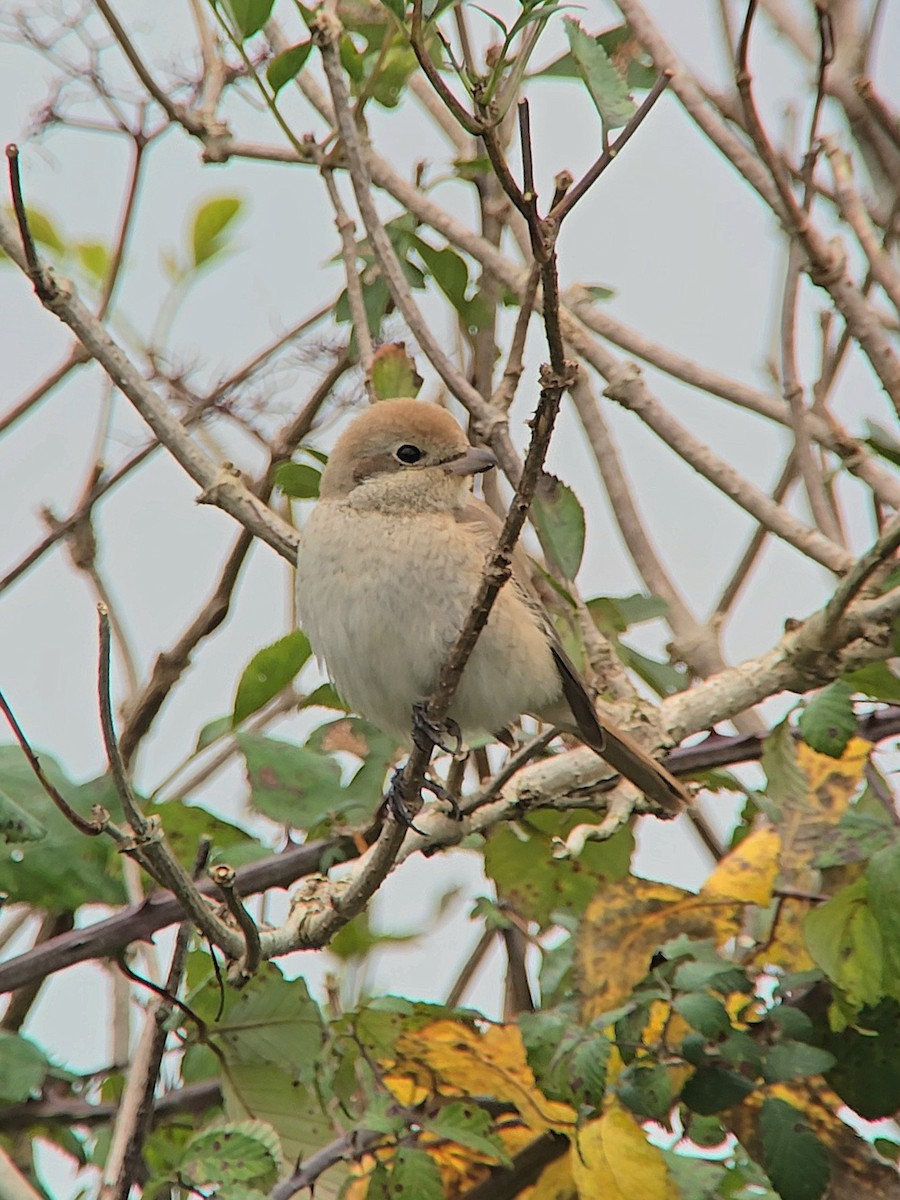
{"x":475,"y":460}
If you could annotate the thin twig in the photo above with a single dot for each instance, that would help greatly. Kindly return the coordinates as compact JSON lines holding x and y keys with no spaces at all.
{"x":629,"y":391}
{"x":470,"y":123}
{"x":593,"y":173}
{"x":470,"y":966}
{"x":512,"y":372}
{"x":225,"y":879}
{"x":220,"y":485}
{"x":347,"y":233}
{"x":755,"y":544}
{"x":326,"y":32}
{"x":850,"y":585}
{"x":827,"y":261}
{"x":176,"y":113}
{"x":90,"y":828}
{"x":133,"y":814}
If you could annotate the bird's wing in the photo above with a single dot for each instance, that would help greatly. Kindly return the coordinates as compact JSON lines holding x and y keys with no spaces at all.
{"x":610,"y":742}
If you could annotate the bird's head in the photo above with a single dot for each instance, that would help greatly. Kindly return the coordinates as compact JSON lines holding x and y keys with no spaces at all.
{"x":403,"y":455}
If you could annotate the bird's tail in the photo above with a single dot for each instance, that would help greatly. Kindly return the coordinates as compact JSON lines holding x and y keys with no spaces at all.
{"x":616,"y":747}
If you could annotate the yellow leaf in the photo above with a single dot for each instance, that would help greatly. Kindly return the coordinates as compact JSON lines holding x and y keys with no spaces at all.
{"x":840,"y":776}
{"x":748,"y":873}
{"x":784,"y":945}
{"x":456,"y":1060}
{"x":614,"y":1161}
{"x":627,"y":922}
{"x":555,"y":1182}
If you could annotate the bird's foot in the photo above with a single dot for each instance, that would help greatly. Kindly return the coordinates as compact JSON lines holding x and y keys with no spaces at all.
{"x":438,"y":790}
{"x":396,"y":802}
{"x":427,"y":734}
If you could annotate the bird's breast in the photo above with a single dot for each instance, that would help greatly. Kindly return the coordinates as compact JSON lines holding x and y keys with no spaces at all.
{"x":382,"y":599}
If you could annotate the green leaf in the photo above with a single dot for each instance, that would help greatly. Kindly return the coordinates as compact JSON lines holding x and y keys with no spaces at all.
{"x":620,"y":44}
{"x":616,"y":614}
{"x":720,"y":976}
{"x":606,"y":86}
{"x":857,"y":836}
{"x":185,"y":824}
{"x":396,"y":67}
{"x":212,"y":731}
{"x":415,"y":1174}
{"x":597,"y":291}
{"x":828,"y":721}
{"x":64,"y":869}
{"x":210,"y":223}
{"x":795,"y":1060}
{"x":290,"y":784}
{"x":665,"y":678}
{"x":844,"y":939}
{"x":794,"y":1158}
{"x":287,"y":65}
{"x":94,"y":258}
{"x":867,"y":1072}
{"x":876,"y":680}
{"x":394,"y":373}
{"x":300,"y":480}
{"x":17,"y":824}
{"x":569,"y":1061}
{"x":227,"y":1154}
{"x":357,"y":736}
{"x":647,"y":1091}
{"x":351,"y":59}
{"x":787,"y":781}
{"x":397,"y":7}
{"x":469,"y":1126}
{"x":269,"y":671}
{"x":883,"y":878}
{"x":272,"y":1021}
{"x":23,"y":1066}
{"x":520,"y":861}
{"x":44,"y":231}
{"x":247,"y":16}
{"x":559,"y":520}
{"x":712,"y":1089}
{"x":275,"y":1095}
{"x":704,"y":1012}
{"x":883,"y":442}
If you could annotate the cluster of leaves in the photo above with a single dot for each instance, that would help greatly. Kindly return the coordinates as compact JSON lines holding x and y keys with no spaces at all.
{"x":739,"y":1019}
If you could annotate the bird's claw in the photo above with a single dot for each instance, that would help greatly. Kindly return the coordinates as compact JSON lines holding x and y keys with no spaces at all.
{"x":396,"y":802}
{"x":427,"y":734}
{"x":438,"y":790}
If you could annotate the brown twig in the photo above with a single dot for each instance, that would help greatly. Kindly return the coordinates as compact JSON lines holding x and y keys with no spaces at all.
{"x":853,"y":581}
{"x":225,"y":879}
{"x":467,"y":120}
{"x":130,"y":806}
{"x":828,"y":267}
{"x":347,"y":233}
{"x":43,"y":284}
{"x":90,"y":828}
{"x":135,"y":1115}
{"x":512,"y":372}
{"x":886,"y":119}
{"x":565,"y":205}
{"x":629,"y":391}
{"x":220,"y":485}
{"x":755,"y":544}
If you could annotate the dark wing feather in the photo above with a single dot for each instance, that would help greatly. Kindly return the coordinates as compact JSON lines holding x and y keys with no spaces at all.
{"x":612,"y":744}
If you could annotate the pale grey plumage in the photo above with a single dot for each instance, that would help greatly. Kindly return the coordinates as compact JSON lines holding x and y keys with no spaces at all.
{"x":388,"y":567}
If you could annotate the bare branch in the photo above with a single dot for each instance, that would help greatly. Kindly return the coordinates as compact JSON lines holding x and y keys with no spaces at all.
{"x":221,"y":486}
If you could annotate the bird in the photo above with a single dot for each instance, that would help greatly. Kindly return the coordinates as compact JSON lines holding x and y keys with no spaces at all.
{"x":389,"y":562}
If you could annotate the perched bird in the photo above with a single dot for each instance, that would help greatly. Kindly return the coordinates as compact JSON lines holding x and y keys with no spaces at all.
{"x":389,"y":563}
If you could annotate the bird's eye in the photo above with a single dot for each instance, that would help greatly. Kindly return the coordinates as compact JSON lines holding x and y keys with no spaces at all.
{"x":408,"y":454}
